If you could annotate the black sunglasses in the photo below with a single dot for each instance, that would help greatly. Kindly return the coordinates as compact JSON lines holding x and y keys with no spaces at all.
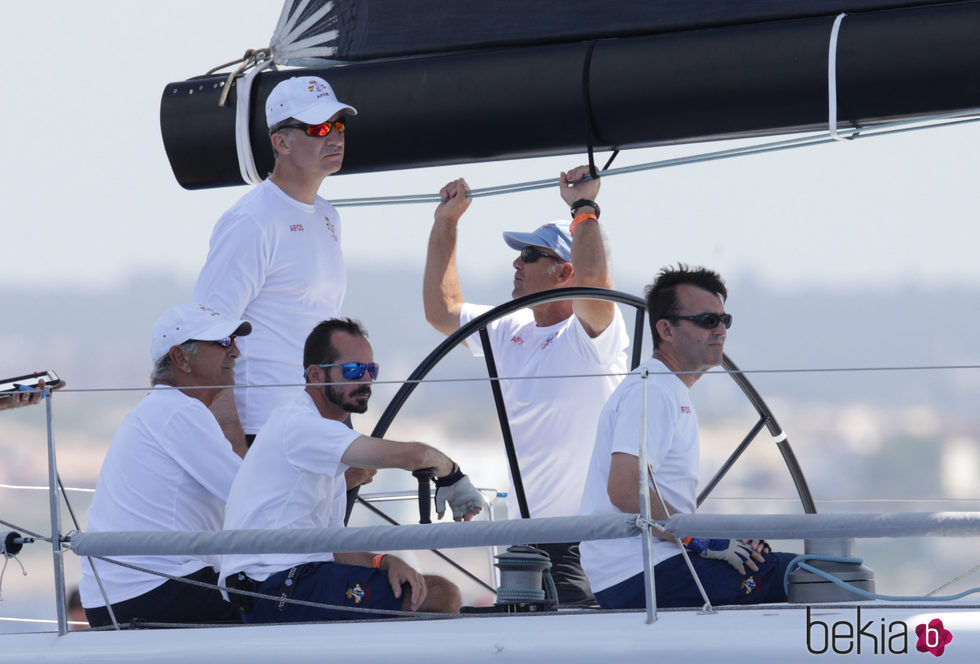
{"x":321,"y":129}
{"x":707,"y":321}
{"x":531,"y":254}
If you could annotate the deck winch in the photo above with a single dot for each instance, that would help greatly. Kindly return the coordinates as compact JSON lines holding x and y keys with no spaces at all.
{"x":809,"y":588}
{"x":525,"y":580}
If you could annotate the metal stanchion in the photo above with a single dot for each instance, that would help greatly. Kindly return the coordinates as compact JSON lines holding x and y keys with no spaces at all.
{"x":647,"y":536}
{"x":59,"y":566}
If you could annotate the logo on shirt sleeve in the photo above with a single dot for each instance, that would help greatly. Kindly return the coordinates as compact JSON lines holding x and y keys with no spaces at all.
{"x":332,"y":228}
{"x":686,"y":410}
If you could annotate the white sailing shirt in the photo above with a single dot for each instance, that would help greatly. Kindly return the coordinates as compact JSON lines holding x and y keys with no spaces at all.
{"x":277,"y":263}
{"x":672,"y":452}
{"x":552,"y":420}
{"x":169,"y":467}
{"x":292,"y":477}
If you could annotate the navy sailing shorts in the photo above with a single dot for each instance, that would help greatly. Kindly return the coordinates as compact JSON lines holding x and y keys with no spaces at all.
{"x":724,"y":585}
{"x":327,"y":583}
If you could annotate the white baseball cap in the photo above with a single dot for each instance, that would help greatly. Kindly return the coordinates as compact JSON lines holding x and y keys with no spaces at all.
{"x":309,"y":99}
{"x":192,"y":321}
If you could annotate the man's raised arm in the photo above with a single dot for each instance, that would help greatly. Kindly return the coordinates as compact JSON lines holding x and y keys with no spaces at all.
{"x":441,"y":292}
{"x":588,"y":251}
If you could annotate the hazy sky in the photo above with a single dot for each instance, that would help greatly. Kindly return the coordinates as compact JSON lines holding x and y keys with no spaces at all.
{"x":88,"y":196}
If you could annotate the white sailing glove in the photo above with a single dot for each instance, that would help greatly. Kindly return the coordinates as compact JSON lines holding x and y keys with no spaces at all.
{"x":463,"y":498}
{"x":733,"y":552}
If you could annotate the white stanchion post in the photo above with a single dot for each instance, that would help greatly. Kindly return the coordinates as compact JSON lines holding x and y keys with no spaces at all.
{"x":59,"y":566}
{"x":647,"y":535}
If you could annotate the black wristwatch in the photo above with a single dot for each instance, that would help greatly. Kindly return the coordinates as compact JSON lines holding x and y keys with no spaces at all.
{"x":583,"y":202}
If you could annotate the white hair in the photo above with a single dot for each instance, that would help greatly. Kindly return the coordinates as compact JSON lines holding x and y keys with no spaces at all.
{"x":163,"y":369}
{"x":555,"y":267}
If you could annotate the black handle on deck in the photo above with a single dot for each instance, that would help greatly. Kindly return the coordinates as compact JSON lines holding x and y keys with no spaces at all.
{"x":424,"y":476}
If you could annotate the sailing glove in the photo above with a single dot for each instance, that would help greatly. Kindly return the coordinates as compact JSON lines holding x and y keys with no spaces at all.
{"x":456,"y":489}
{"x":733,"y":552}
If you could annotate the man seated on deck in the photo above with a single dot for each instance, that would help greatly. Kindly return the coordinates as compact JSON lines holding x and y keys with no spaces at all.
{"x":169,"y":468}
{"x":552,"y":421}
{"x":293,"y":477}
{"x":688,"y":323}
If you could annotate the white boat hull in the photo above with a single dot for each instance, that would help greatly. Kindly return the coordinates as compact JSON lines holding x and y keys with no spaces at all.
{"x":775,"y":633}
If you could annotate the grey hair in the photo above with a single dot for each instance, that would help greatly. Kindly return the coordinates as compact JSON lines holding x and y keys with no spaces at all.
{"x":279,"y":126}
{"x":163,"y":369}
{"x":555,"y":267}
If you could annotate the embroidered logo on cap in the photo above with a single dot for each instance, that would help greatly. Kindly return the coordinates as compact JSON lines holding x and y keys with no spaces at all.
{"x":318,"y":89}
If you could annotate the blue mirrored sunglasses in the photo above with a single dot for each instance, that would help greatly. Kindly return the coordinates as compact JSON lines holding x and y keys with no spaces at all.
{"x":355,"y":370}
{"x":224,"y":343}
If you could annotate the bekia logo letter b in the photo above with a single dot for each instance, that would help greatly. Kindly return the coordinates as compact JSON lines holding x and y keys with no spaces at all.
{"x":932,"y":637}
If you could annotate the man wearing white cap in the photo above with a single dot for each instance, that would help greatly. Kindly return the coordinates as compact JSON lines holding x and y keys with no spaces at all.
{"x":275,"y":256}
{"x":552,"y":421}
{"x":169,"y":467}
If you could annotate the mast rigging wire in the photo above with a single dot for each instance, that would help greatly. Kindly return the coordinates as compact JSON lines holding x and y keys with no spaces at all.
{"x":713,"y":372}
{"x":902,"y":126}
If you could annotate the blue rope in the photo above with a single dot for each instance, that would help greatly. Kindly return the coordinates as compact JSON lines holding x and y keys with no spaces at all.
{"x":798,"y":562}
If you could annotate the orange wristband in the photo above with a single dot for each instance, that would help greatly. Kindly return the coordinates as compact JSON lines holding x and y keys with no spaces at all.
{"x":376,"y":562}
{"x":579,"y":219}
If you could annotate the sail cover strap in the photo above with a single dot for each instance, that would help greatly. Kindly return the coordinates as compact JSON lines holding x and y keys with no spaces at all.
{"x":832,"y":79}
{"x":587,"y":99}
{"x":243,"y":139}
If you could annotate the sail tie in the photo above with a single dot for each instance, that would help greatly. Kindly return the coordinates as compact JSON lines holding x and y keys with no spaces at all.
{"x":591,"y":134}
{"x":243,"y":139}
{"x":832,"y":79}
